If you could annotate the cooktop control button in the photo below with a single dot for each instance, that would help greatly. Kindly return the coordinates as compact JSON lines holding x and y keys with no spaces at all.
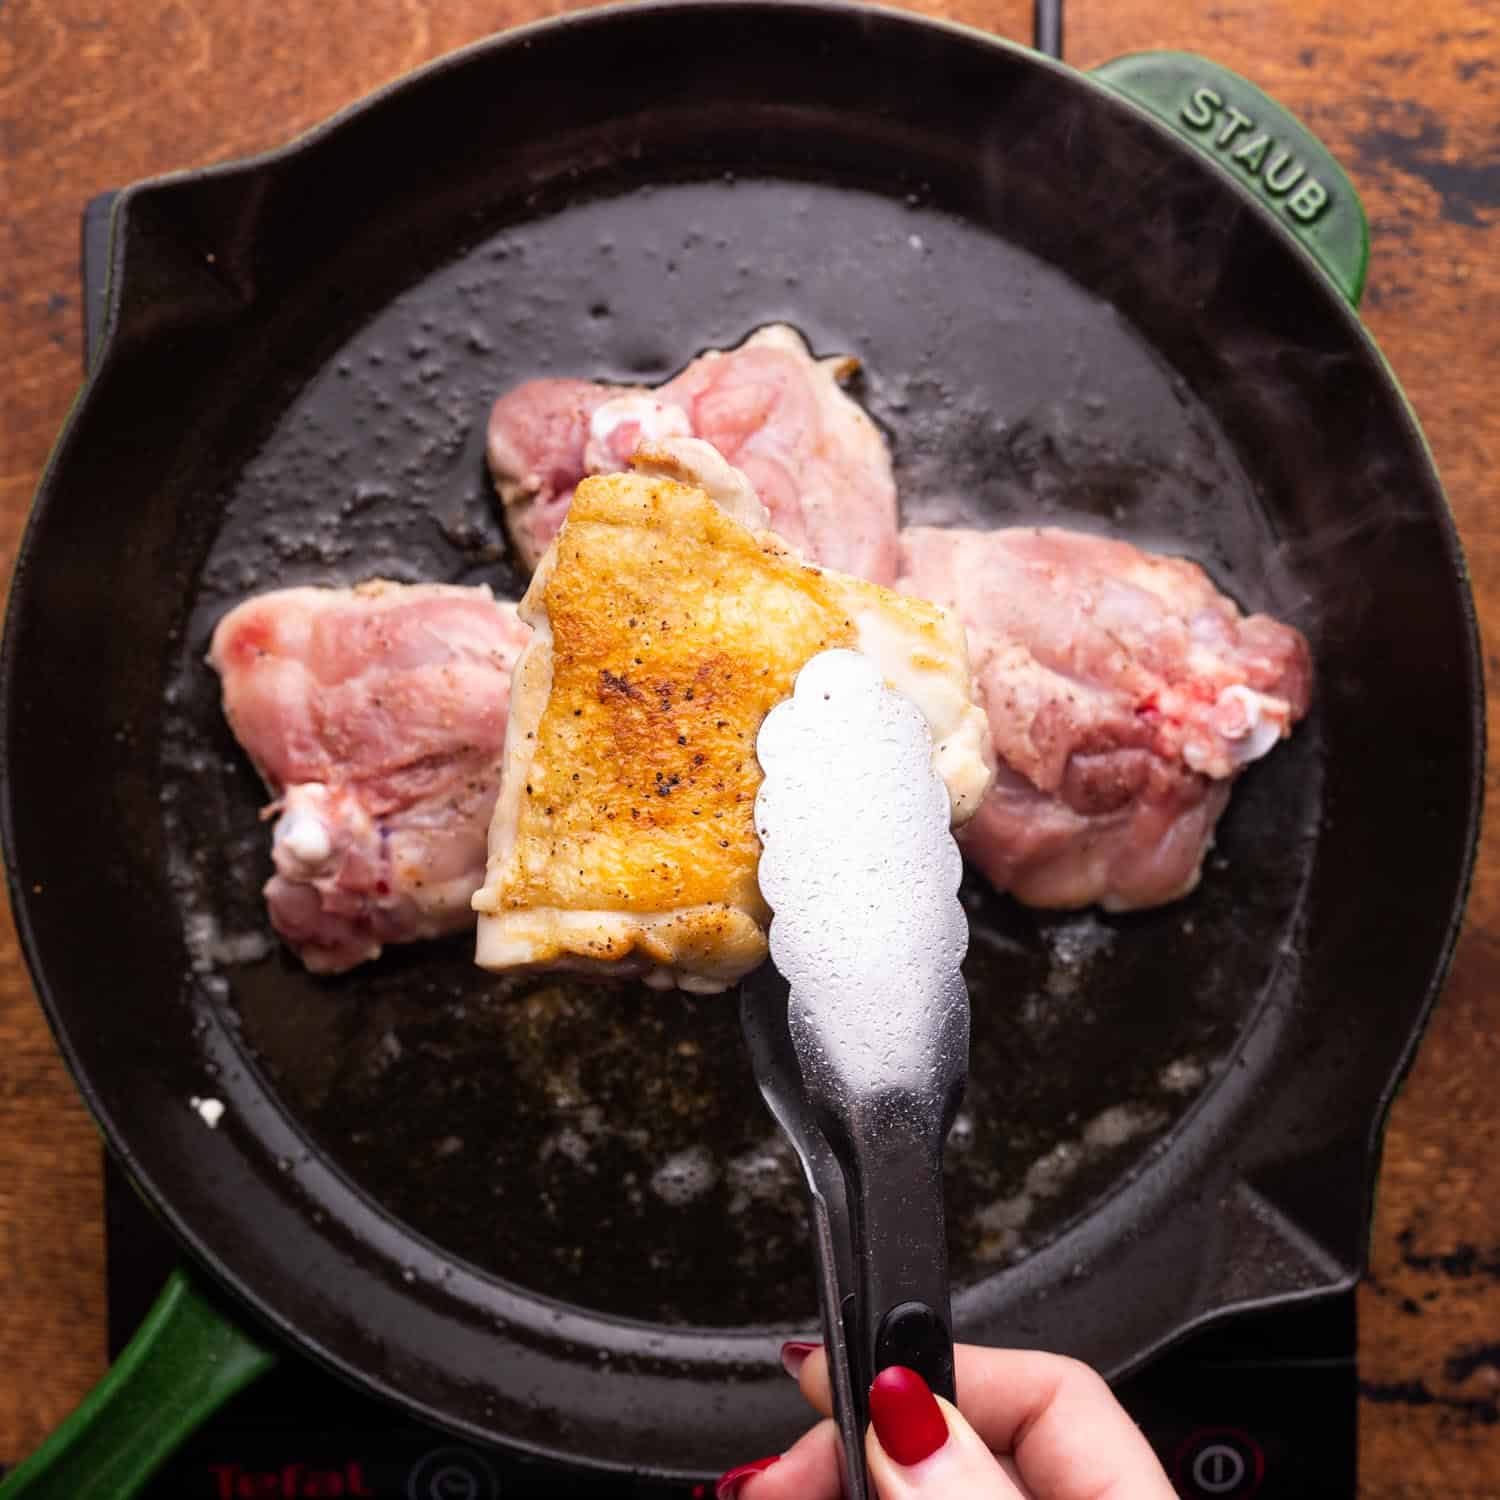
{"x":1219,"y":1464}
{"x":452,"y":1474}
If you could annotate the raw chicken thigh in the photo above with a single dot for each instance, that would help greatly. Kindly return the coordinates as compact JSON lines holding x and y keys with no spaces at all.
{"x":668,"y":624}
{"x":816,"y":460}
{"x":376,"y":717}
{"x":1124,"y":694}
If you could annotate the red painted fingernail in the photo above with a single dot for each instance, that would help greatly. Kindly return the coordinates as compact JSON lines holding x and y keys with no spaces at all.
{"x":908,"y":1421}
{"x":794,"y":1355}
{"x":730,"y":1485}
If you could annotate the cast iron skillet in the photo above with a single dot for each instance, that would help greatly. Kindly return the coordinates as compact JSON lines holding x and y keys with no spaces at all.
{"x":544,"y":1214}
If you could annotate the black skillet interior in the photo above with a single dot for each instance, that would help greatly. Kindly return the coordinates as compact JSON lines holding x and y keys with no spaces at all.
{"x":548,"y":1212}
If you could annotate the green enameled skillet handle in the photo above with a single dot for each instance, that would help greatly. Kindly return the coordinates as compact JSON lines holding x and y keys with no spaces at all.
{"x":1264,"y":147}
{"x":184,"y":1362}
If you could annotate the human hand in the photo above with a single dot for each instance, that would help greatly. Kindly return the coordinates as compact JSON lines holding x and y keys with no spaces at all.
{"x":1030,"y":1427}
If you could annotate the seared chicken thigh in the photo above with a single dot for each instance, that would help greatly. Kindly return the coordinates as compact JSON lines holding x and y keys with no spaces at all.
{"x":665,"y":630}
{"x":376,"y":717}
{"x":773,"y":411}
{"x":1124,"y":694}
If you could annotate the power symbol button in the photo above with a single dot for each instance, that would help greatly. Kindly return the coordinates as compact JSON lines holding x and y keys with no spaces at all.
{"x":1223,"y":1464}
{"x":452,"y":1474}
{"x":1218,"y":1469}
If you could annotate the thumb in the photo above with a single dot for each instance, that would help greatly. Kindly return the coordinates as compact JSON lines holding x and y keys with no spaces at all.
{"x":919,"y":1447}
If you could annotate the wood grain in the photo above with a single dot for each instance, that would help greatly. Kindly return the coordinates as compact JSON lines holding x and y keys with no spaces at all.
{"x":1407,"y":95}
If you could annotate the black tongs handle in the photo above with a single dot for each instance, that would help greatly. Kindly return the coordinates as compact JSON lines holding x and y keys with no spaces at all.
{"x":901,"y":1302}
{"x":877,"y":1219}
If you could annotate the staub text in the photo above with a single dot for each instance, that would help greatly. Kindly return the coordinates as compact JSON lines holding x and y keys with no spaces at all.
{"x":1236,"y":137}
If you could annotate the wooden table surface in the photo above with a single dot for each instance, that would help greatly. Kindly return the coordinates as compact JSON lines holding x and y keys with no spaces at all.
{"x":1406,"y":94}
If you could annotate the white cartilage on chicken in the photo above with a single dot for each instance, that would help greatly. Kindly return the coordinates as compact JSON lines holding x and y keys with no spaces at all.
{"x":1252,"y":725}
{"x":619,"y":427}
{"x":303,"y":839}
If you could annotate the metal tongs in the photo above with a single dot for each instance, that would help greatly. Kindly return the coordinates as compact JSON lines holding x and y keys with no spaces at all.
{"x":859,"y":1034}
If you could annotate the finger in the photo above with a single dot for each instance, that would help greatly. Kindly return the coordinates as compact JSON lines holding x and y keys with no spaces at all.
{"x":809,"y":1364}
{"x":812,"y":1377}
{"x":1070,"y":1438}
{"x":808,"y":1470}
{"x":921,"y":1448}
{"x":796,"y":1357}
